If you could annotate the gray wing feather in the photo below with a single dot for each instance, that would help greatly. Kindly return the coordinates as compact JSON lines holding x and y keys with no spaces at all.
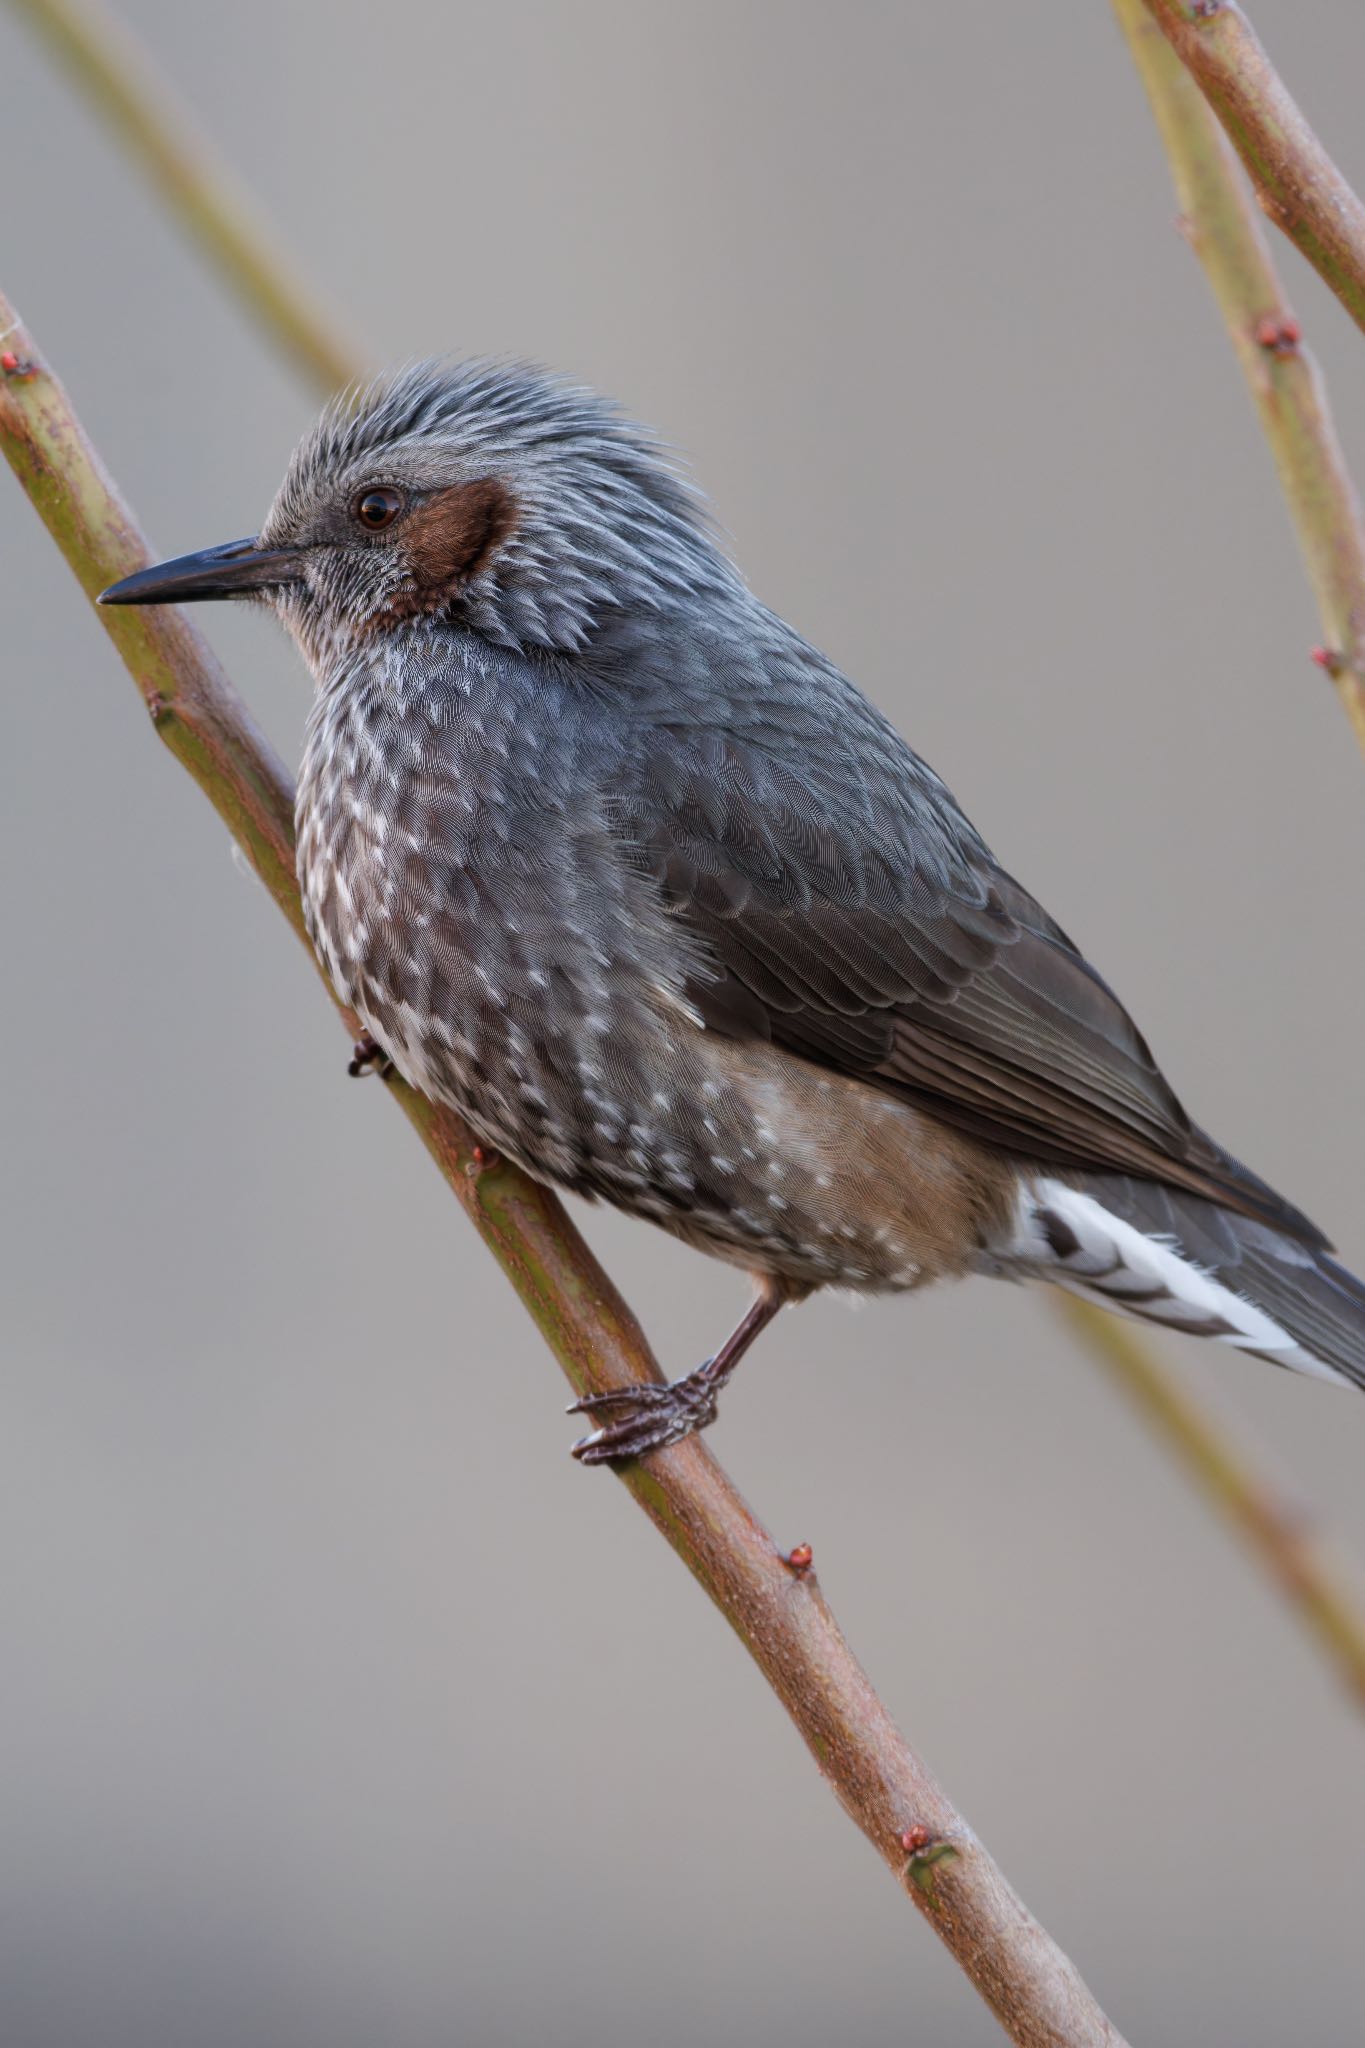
{"x":842,"y":905}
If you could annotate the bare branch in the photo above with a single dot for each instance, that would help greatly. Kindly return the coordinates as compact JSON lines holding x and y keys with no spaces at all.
{"x":1253,"y":1500}
{"x":1221,"y":224}
{"x":118,"y":78}
{"x":773,"y":1603}
{"x":1285,"y":384}
{"x":1297,"y":184}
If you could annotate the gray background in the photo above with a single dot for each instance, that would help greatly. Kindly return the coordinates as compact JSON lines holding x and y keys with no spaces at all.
{"x":340,"y":1707}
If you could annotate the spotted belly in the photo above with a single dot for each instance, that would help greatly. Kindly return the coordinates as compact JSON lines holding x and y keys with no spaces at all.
{"x":746,"y":1152}
{"x":535,"y":1007}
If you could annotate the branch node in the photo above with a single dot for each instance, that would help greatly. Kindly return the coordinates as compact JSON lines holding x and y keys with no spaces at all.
{"x":800,"y":1559}
{"x":18,"y":366}
{"x":1279,"y":334}
{"x":923,"y":1853}
{"x":1331,"y":659}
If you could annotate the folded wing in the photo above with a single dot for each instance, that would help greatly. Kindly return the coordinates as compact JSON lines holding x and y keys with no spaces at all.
{"x":851,"y":914}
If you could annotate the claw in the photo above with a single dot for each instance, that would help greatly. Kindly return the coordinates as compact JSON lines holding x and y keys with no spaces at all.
{"x":651,"y":1416}
{"x":647,"y":1395}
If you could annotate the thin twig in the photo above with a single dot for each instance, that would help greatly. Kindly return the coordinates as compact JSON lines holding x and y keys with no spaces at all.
{"x":773,"y":1603}
{"x":1256,"y":1503}
{"x":1297,"y":184}
{"x":140,"y":107}
{"x":1221,"y":225}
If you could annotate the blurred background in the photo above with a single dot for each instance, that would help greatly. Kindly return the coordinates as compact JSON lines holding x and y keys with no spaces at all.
{"x":341,"y":1706}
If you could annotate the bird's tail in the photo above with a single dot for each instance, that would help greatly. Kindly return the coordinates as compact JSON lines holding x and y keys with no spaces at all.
{"x":1190,"y":1264}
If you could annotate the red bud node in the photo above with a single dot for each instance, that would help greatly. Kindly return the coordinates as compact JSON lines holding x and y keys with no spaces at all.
{"x":1278,"y":334}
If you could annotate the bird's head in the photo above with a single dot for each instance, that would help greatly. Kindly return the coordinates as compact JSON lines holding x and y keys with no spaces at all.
{"x":488,"y":495}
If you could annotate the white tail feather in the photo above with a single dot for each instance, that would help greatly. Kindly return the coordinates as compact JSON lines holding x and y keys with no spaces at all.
{"x":1066,"y":1236}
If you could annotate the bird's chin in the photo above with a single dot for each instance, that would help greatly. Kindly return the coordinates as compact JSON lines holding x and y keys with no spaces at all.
{"x":307,"y":625}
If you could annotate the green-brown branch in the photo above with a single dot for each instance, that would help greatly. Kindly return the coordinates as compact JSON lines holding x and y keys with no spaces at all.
{"x":1221,"y":224}
{"x":1285,"y":384}
{"x":1297,"y":184}
{"x":777,"y":1610}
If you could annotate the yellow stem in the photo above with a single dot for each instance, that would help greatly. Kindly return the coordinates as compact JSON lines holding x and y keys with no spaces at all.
{"x":1290,"y":398}
{"x":140,"y":107}
{"x":1252,"y":1500}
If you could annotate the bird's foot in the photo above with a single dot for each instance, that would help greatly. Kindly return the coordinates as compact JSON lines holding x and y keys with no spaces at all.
{"x":650,"y":1416}
{"x":368,"y":1057}
{"x":647,"y":1417}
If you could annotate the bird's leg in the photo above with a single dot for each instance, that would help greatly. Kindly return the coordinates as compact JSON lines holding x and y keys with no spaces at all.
{"x":368,"y":1057}
{"x":648,"y":1417}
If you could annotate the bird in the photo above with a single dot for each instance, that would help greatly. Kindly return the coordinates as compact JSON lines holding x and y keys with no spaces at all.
{"x":608,"y":858}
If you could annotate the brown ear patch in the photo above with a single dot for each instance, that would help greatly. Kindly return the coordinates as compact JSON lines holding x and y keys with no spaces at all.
{"x":448,"y":540}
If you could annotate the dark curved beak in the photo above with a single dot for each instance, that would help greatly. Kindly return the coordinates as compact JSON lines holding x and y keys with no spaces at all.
{"x":237,"y":569}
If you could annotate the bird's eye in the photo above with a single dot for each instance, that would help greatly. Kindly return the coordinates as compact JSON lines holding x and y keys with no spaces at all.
{"x":378,"y":508}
